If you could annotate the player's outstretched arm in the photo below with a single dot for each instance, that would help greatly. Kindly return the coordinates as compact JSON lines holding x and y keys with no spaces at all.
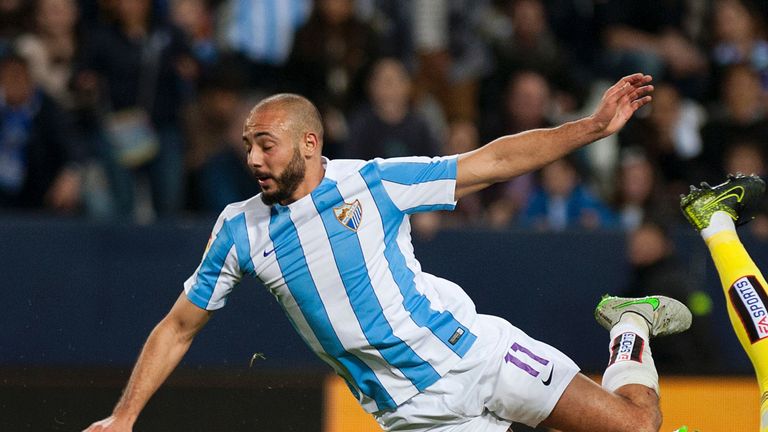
{"x":165,"y":347}
{"x":512,"y":155}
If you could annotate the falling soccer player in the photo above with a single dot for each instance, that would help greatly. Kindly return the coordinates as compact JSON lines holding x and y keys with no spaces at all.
{"x":331,"y":240}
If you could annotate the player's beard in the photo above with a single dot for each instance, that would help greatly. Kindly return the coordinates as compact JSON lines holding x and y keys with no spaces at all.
{"x":288,"y":181}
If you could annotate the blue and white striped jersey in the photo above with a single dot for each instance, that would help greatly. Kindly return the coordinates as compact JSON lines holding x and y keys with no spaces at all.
{"x":341,"y":264}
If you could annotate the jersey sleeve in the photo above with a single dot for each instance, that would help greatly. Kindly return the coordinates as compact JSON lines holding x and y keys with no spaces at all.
{"x":420,"y":184}
{"x":218,"y":273}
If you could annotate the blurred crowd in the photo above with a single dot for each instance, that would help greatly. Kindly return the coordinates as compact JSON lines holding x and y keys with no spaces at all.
{"x":132,"y":109}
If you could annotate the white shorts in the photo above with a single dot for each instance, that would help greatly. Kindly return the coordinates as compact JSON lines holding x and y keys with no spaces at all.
{"x":506,"y":377}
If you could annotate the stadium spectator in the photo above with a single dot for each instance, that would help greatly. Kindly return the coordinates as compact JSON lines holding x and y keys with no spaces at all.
{"x":14,"y":20}
{"x":261,"y":33}
{"x":391,"y":22}
{"x":650,"y":35}
{"x":526,"y":43}
{"x":526,"y":103}
{"x":670,"y":136}
{"x":531,"y":45}
{"x":746,"y":157}
{"x":749,"y":157}
{"x":739,"y":38}
{"x":640,"y":193}
{"x":739,"y":115}
{"x":50,"y":48}
{"x":328,"y":62}
{"x":562,"y":201}
{"x":656,"y":269}
{"x":574,"y":25}
{"x":39,"y":159}
{"x":388,"y":126}
{"x":195,"y":19}
{"x":451,"y":55}
{"x":136,"y":69}
{"x":215,"y":159}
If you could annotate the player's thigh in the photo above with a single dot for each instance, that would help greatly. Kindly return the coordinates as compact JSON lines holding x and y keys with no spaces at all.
{"x":587,"y":407}
{"x":525,"y":377}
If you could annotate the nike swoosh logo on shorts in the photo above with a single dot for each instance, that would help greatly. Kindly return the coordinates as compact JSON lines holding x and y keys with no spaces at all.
{"x":548,"y":381}
{"x":268,"y":252}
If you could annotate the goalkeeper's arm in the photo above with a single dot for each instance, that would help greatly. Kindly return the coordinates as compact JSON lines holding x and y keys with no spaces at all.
{"x":165,"y":347}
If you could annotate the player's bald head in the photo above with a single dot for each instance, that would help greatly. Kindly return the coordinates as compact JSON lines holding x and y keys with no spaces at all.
{"x":300,"y":113}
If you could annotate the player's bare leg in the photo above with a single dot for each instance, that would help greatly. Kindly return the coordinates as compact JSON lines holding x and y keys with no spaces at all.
{"x":715,"y":212}
{"x":628,"y":399}
{"x":585,"y":406}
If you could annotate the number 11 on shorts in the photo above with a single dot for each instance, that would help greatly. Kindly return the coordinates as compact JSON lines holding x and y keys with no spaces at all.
{"x":511,"y":358}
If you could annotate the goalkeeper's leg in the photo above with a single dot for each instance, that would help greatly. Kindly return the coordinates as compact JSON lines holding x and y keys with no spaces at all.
{"x":712,"y":211}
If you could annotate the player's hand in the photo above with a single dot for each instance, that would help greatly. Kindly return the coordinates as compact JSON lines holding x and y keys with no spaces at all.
{"x":620,"y":101}
{"x":111,"y":424}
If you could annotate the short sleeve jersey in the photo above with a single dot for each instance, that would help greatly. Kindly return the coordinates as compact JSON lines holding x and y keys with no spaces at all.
{"x":341,"y":264}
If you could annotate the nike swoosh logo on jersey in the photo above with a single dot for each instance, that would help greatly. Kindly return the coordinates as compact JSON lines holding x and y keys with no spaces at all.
{"x":268,"y":252}
{"x":730,"y":193}
{"x":548,"y":381}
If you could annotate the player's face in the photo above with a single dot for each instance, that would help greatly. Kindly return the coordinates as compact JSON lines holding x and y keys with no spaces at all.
{"x":286,"y":182}
{"x":274,"y":155}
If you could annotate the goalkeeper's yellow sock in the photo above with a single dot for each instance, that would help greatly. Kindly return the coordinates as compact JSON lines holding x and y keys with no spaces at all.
{"x":745,"y":292}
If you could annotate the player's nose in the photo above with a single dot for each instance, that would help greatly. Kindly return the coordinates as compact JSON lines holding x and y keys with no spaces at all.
{"x":255,"y":158}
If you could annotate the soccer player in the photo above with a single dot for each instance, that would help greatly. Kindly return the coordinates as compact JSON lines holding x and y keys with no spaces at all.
{"x":715,"y":212}
{"x":331,"y":240}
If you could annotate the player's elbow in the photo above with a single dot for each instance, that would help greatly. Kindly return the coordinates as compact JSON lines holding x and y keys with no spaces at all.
{"x":647,"y":420}
{"x":173,"y":330}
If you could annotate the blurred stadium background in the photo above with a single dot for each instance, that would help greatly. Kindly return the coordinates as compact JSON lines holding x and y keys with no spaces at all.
{"x":120,"y":126}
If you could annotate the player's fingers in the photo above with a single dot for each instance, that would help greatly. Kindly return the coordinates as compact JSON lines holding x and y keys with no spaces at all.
{"x":627,"y":83}
{"x":637,"y":103}
{"x":629,"y":80}
{"x":640,"y":92}
{"x":634,"y":78}
{"x":616,"y":92}
{"x":642,"y":82}
{"x":625,"y":91}
{"x":630,"y":93}
{"x":638,"y":79}
{"x":612,"y":90}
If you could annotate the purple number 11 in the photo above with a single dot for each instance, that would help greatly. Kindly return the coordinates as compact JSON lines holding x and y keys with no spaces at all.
{"x":510,"y":358}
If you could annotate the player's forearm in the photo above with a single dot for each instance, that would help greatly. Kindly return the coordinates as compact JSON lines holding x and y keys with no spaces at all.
{"x":527,"y":151}
{"x":161,"y":354}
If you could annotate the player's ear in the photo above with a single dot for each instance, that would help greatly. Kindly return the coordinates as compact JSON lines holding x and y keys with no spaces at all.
{"x":311,"y":144}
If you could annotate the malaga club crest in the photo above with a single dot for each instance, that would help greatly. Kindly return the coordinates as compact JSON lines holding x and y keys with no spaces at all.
{"x":349,"y":214}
